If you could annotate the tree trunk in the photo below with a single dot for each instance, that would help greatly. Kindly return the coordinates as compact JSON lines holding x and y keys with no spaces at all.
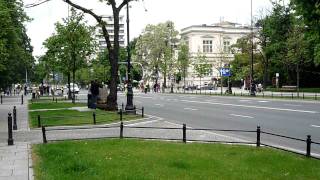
{"x":69,"y":88}
{"x":298,"y":79}
{"x":112,"y":104}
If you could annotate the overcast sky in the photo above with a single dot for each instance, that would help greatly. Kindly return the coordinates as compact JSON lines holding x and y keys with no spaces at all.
{"x":183,"y":13}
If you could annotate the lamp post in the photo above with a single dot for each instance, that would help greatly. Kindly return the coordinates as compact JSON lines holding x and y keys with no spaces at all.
{"x":129,"y":105}
{"x":252,"y":85}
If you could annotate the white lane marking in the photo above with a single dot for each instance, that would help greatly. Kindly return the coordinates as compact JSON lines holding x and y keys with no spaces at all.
{"x":238,"y":115}
{"x":295,"y":105}
{"x":161,"y":105}
{"x":315,"y":126}
{"x":249,"y":106}
{"x":146,"y":97}
{"x":191,"y":109}
{"x":263,"y":101}
{"x":244,"y":100}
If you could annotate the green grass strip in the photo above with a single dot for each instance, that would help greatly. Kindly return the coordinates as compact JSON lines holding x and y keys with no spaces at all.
{"x":137,"y":159}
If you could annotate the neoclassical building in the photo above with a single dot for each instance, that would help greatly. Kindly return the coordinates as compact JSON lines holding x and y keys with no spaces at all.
{"x":214,"y":42}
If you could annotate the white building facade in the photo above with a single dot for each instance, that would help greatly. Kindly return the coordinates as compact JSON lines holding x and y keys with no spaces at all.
{"x":214,"y":42}
{"x":110,"y":28}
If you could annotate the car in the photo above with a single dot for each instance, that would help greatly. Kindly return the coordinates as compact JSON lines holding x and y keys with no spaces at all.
{"x":75,"y":90}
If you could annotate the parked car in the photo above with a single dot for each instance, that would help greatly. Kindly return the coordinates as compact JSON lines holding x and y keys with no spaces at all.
{"x":75,"y":90}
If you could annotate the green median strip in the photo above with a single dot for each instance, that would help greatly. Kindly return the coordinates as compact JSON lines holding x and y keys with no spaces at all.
{"x":61,"y":114}
{"x":137,"y":159}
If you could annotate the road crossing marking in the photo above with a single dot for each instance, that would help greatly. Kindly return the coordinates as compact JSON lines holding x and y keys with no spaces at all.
{"x":238,"y":115}
{"x":191,"y":109}
{"x":315,"y":126}
{"x":161,"y":105}
{"x":263,"y":101}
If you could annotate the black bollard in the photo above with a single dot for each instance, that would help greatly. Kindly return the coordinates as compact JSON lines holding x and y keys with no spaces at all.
{"x":94,"y":118}
{"x":15,"y":127}
{"x":121,"y":115}
{"x":121,"y":130}
{"x":308,"y":141}
{"x":1,"y":99}
{"x":142,"y":111}
{"x":258,"y":136}
{"x":44,"y":137}
{"x":10,"y":139}
{"x":184,"y":133}
{"x":21,"y":99}
{"x":39,"y":121}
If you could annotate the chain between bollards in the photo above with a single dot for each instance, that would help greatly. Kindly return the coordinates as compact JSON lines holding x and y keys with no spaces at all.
{"x":10,"y":139}
{"x":15,"y":127}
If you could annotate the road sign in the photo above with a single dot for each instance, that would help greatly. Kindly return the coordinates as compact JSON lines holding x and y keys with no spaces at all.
{"x":225,"y":72}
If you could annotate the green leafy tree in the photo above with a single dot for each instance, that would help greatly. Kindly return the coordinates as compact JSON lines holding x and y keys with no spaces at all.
{"x":154,"y":45}
{"x":15,"y":49}
{"x":72,"y":45}
{"x":201,"y":66}
{"x":183,"y":61}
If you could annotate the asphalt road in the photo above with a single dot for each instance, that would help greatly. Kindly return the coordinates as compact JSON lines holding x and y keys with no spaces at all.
{"x":286,"y":117}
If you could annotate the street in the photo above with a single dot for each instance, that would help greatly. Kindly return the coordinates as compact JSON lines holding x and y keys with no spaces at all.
{"x":286,"y":117}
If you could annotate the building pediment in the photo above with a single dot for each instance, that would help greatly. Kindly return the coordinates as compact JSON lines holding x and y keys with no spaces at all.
{"x":207,"y":37}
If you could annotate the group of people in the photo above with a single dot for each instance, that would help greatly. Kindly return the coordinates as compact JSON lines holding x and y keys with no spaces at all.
{"x":16,"y":90}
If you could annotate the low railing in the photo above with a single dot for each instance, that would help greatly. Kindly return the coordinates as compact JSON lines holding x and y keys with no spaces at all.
{"x":184,"y":138}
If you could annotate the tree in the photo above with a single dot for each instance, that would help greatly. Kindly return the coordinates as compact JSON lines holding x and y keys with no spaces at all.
{"x":71,"y":46}
{"x":309,"y":10}
{"x":201,"y":66}
{"x":154,"y":45}
{"x":183,"y":61}
{"x":112,"y":49}
{"x":15,"y":49}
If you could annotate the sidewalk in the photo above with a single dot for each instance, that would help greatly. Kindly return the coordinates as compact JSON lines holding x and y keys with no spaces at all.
{"x":15,"y":161}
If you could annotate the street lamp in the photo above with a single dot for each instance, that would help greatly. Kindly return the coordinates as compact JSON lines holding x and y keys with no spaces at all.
{"x":129,"y":105}
{"x":252,"y":85}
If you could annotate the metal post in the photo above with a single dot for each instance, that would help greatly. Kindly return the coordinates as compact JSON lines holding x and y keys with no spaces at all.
{"x":1,"y":99}
{"x":184,"y":130}
{"x":263,"y":95}
{"x":21,"y":99}
{"x":39,"y":121}
{"x":121,"y":130}
{"x":15,"y":118}
{"x":308,"y":153}
{"x":122,"y":106}
{"x":10,"y":139}
{"x":44,"y":137}
{"x":142,"y":111}
{"x":135,"y":109}
{"x":272,"y":94}
{"x":303,"y":95}
{"x":258,"y":136}
{"x":121,"y":115}
{"x":315,"y":96}
{"x":94,"y":118}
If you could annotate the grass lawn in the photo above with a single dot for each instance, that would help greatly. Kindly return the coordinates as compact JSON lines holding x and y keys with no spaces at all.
{"x":71,"y":117}
{"x":135,"y":159}
{"x":53,"y":105}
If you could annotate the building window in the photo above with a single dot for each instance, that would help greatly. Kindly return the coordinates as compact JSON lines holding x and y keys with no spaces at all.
{"x":226,"y":46}
{"x":207,"y":46}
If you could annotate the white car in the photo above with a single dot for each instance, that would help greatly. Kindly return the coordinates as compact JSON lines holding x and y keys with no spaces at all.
{"x":75,"y":90}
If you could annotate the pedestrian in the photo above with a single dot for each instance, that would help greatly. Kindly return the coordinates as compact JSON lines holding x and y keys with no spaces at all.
{"x":94,"y":92}
{"x":25,"y":90}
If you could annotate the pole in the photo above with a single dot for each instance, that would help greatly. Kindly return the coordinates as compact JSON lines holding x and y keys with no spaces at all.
{"x":252,"y":88}
{"x":129,"y":105}
{"x":10,"y":139}
{"x":308,"y":153}
{"x":15,"y":118}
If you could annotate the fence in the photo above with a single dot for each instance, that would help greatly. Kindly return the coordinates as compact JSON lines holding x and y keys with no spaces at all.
{"x":11,"y":99}
{"x":183,"y":136}
{"x":41,"y":120}
{"x":290,"y":95}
